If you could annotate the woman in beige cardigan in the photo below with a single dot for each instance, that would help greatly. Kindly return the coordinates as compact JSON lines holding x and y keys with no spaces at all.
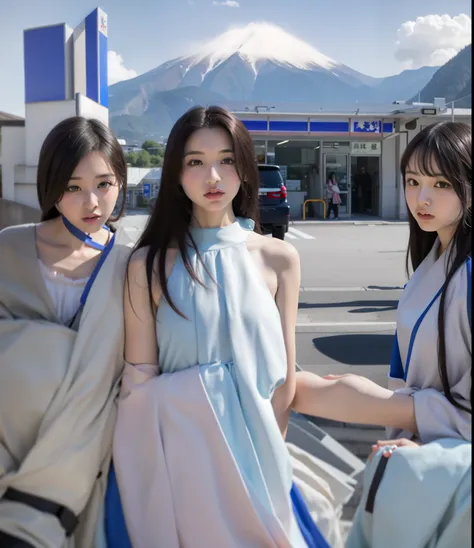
{"x":61,"y":343}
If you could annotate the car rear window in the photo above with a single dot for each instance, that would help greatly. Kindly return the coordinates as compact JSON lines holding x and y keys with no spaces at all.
{"x":270,"y":178}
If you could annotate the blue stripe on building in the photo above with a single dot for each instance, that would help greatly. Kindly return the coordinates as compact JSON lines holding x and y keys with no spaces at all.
{"x":277,"y":125}
{"x":92,"y":57}
{"x":302,"y":127}
{"x":256,"y":125}
{"x":45,"y":64}
{"x":104,"y":88}
{"x":329,"y":127}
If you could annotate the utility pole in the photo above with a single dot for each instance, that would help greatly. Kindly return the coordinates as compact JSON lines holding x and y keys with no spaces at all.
{"x":452,"y":105}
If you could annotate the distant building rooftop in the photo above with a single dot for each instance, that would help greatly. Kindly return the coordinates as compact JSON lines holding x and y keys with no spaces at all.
{"x":396,"y":109}
{"x":7,"y":119}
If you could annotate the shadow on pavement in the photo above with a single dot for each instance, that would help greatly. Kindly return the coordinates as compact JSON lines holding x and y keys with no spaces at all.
{"x":366,"y":306}
{"x":385,"y":287}
{"x":357,"y":348}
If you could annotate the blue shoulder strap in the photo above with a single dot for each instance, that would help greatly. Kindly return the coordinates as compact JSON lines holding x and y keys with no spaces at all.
{"x":469,"y":290}
{"x":83,"y":236}
{"x":96,"y":245}
{"x":396,"y":366}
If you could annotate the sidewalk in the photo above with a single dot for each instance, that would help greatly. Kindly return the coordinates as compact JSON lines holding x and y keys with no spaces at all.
{"x":352,"y":220}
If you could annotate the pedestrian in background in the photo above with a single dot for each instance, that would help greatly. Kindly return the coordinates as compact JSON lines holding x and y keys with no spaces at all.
{"x":333,"y":196}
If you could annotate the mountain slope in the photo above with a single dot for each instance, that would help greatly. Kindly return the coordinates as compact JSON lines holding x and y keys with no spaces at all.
{"x":404,"y":85}
{"x":152,"y":117}
{"x":452,"y":81}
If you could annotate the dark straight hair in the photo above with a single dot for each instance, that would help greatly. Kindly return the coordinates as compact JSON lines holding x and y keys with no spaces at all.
{"x":64,"y":147}
{"x":170,"y":220}
{"x":443,"y":148}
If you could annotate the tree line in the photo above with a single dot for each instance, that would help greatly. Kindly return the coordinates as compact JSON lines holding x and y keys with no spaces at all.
{"x":151,"y":155}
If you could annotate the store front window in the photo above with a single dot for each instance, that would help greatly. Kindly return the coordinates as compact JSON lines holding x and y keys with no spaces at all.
{"x":260,"y":151}
{"x":365,"y":184}
{"x":299,"y":162}
{"x":305,"y":166}
{"x":336,"y":166}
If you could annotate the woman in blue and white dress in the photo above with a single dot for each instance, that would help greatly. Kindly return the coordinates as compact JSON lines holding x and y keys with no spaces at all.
{"x":210,"y":313}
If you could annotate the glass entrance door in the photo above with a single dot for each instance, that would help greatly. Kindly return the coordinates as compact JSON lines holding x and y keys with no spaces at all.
{"x":338,"y":164}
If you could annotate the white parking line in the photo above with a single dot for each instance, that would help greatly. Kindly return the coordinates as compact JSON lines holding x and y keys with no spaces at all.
{"x":332,"y":289}
{"x":349,"y":289}
{"x":299,"y":233}
{"x":346,"y":324}
{"x":291,"y":235}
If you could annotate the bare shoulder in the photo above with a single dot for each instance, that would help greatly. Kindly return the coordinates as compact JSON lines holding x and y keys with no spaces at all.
{"x":136,"y":272}
{"x":281,"y":255}
{"x":138,"y":265}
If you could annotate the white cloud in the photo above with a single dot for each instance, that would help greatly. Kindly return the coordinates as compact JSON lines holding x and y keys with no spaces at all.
{"x":432,"y":40}
{"x":116,"y":68}
{"x":227,"y":4}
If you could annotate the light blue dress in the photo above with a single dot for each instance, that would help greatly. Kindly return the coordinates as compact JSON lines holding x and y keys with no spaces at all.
{"x":232,"y":332}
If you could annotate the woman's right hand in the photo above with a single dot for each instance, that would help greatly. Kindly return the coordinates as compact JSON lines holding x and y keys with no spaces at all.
{"x":391,"y":445}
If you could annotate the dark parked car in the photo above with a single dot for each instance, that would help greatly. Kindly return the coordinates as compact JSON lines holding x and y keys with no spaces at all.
{"x":274,"y":207}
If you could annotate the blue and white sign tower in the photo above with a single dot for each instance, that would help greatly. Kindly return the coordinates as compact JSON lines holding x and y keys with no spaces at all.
{"x":65,"y":75}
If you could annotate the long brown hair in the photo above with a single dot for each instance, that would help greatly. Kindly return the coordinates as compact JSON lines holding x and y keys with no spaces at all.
{"x":170,"y":220}
{"x":446,"y":145}
{"x":64,"y":147}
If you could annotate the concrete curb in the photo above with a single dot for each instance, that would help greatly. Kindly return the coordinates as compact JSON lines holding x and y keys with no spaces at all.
{"x":349,"y":222}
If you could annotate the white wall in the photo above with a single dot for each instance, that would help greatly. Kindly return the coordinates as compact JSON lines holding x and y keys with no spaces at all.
{"x":90,"y":109}
{"x":388,"y":187}
{"x":13,"y":153}
{"x":25,"y":185}
{"x":26,"y":194}
{"x":136,"y":174}
{"x":40,"y":119}
{"x":26,"y":174}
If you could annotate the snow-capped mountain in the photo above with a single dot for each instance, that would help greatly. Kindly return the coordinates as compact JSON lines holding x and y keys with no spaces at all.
{"x":257,"y":44}
{"x":257,"y":63}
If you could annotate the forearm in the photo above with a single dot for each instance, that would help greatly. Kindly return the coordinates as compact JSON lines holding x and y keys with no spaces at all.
{"x":281,"y":402}
{"x":353,"y":399}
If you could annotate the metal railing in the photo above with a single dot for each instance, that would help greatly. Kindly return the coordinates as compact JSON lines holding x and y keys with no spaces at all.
{"x":314,"y":200}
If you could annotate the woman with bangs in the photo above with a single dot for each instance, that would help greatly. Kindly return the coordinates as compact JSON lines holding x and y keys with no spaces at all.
{"x":61,"y":342}
{"x":428,"y":405}
{"x":429,"y":393}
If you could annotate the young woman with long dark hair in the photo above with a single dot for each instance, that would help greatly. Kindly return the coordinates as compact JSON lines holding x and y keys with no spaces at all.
{"x":210,"y":314}
{"x":431,"y":360}
{"x":61,"y":342}
{"x":423,"y":497}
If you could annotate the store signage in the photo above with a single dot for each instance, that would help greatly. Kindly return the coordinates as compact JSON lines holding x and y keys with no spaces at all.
{"x":367,"y":126}
{"x":366,"y":148}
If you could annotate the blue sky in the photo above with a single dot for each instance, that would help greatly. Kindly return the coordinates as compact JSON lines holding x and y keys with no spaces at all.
{"x":361,"y":34}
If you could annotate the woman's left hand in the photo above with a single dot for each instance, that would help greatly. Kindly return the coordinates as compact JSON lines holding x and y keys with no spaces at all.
{"x":391,"y":445}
